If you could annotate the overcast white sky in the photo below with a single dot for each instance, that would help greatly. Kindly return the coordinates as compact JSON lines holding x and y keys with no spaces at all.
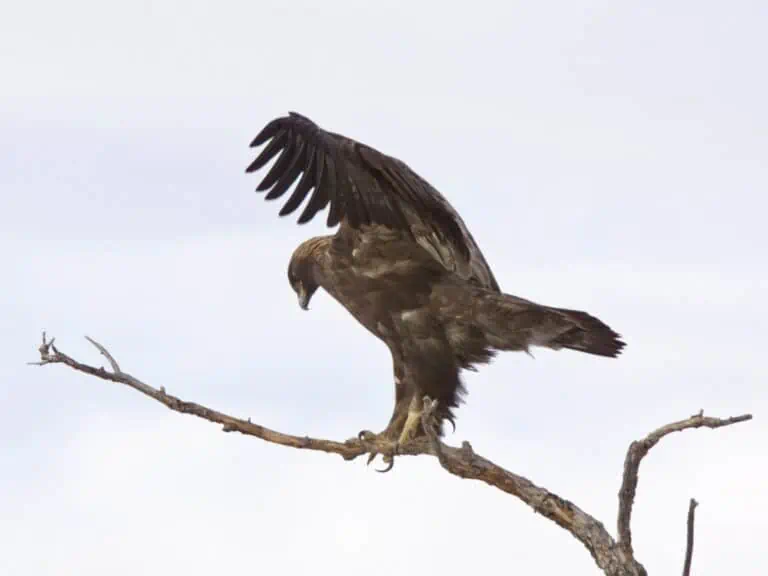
{"x":607,"y":156}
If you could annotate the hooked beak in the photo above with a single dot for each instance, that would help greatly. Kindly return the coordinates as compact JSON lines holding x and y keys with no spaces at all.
{"x":303,"y":299}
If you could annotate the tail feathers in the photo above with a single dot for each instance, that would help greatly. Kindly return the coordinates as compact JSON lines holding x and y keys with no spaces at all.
{"x":588,"y":334}
{"x":511,"y":323}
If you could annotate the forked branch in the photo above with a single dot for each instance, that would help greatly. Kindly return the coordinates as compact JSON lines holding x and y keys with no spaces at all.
{"x":614,"y":557}
{"x":638,"y":450}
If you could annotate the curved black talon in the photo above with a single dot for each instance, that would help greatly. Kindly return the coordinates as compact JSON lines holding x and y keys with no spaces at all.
{"x":390,"y":464}
{"x":389,"y":459}
{"x":365,"y":435}
{"x":367,"y":438}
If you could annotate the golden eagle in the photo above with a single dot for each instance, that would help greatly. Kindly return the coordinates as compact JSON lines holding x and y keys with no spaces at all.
{"x":404,"y":264}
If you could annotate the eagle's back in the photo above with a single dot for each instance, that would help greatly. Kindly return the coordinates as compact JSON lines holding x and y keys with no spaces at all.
{"x":378,"y":274}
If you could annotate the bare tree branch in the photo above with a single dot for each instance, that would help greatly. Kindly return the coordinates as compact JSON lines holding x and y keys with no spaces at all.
{"x":689,"y":541}
{"x":638,"y":450}
{"x":615,"y":558}
{"x":51,"y":355}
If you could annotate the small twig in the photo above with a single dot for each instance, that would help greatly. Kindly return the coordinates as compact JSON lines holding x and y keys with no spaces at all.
{"x":106,"y":354}
{"x":45,"y":351}
{"x":635,"y":454}
{"x":689,"y":541}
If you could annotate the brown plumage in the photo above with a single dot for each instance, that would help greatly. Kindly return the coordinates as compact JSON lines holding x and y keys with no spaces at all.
{"x":404,"y":264}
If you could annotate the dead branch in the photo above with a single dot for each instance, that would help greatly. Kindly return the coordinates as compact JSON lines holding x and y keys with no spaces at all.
{"x":615,"y":558}
{"x":637,"y":451}
{"x":689,"y":541}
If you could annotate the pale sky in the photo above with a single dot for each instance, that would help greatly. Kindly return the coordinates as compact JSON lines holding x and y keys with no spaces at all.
{"x":610,"y":157}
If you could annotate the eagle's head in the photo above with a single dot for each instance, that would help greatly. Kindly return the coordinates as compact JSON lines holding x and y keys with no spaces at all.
{"x":301,"y":274}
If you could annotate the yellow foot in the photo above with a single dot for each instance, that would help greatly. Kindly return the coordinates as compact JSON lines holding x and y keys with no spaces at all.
{"x":410,"y":428}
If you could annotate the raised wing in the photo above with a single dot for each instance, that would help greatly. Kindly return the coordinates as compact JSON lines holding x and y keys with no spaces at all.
{"x":363,"y":187}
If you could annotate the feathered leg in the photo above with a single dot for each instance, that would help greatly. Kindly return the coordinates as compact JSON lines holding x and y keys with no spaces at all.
{"x":431,"y":367}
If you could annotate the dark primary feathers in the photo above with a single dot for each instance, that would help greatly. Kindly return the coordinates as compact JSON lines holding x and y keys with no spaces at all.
{"x":363,"y":186}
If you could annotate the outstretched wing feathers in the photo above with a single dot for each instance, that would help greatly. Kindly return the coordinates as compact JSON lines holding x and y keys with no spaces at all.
{"x":325,"y":186}
{"x":363,"y":186}
{"x":304,"y":185}
{"x":290,"y":172}
{"x":269,"y":152}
